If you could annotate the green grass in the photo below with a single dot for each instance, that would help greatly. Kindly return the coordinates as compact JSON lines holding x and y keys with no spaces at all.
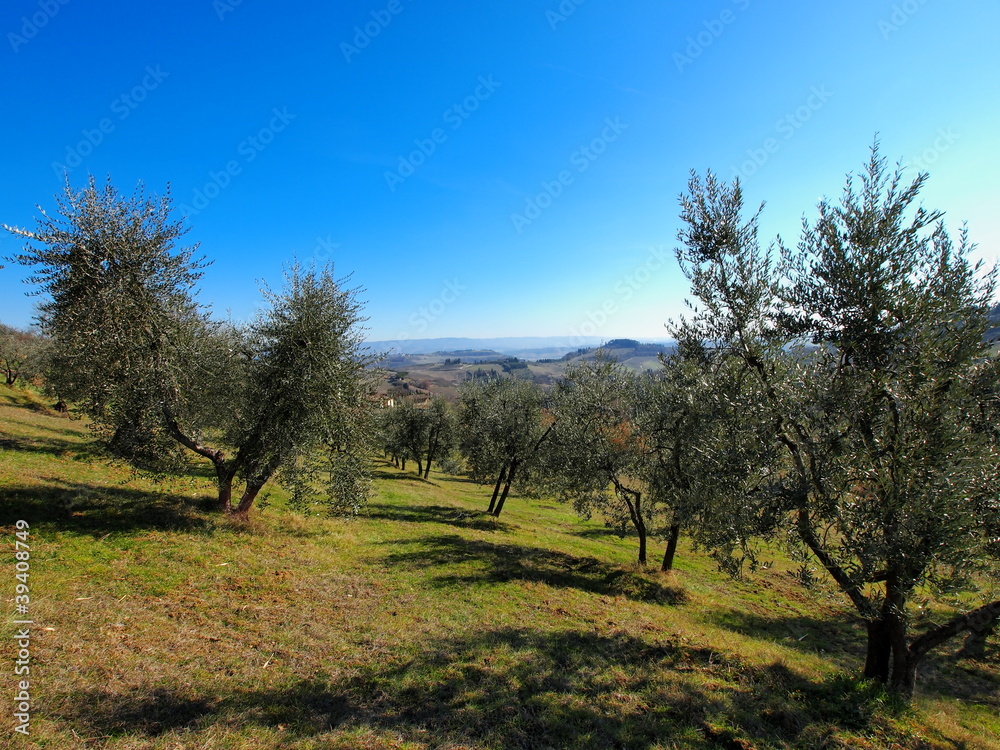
{"x":423,"y":624}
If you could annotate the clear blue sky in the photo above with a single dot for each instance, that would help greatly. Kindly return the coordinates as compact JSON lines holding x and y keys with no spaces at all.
{"x":487,"y":169}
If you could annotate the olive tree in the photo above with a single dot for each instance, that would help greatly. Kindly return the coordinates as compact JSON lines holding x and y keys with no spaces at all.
{"x":596,"y":455}
{"x":21,"y":353}
{"x":861,"y":347}
{"x":501,"y":427}
{"x":158,"y":376}
{"x":696,"y":476}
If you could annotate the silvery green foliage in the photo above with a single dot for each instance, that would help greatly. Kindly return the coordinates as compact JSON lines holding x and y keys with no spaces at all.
{"x":499,"y":421}
{"x":596,"y":456}
{"x":698,"y":477}
{"x":307,"y":406}
{"x":405,"y":431}
{"x":116,"y":302}
{"x":862,"y":349}
{"x":160,"y":379}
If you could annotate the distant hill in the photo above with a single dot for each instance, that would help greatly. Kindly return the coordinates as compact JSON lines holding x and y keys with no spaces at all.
{"x":439,"y":372}
{"x":522,"y":347}
{"x":993,"y":334}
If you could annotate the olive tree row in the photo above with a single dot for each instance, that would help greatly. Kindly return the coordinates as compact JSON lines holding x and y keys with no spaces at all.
{"x":421,"y":434}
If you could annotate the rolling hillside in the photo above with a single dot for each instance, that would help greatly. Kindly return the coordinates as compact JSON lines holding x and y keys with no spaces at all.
{"x":421,"y":624}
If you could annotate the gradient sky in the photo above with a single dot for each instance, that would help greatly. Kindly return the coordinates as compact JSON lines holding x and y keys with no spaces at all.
{"x":487,"y":169}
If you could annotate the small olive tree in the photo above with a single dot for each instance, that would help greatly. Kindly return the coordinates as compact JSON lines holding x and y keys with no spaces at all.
{"x":21,"y":354}
{"x":596,"y":455}
{"x":696,"y":476}
{"x":501,"y":428}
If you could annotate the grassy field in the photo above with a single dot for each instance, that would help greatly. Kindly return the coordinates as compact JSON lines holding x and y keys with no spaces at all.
{"x":423,"y":624}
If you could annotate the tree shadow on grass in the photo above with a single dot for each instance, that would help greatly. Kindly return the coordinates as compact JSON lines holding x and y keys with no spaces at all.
{"x":97,"y":511}
{"x":441,"y":514}
{"x":54,"y":447}
{"x":452,"y":479}
{"x":841,"y":641}
{"x":516,"y":689}
{"x":20,"y":399}
{"x":396,"y":475}
{"x":496,"y":563}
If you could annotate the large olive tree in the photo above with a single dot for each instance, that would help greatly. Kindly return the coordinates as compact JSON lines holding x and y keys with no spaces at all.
{"x":862,"y":349}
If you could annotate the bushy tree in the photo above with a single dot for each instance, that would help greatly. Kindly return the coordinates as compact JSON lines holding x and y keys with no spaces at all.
{"x":157,"y":375}
{"x":596,"y":457}
{"x":440,"y":432}
{"x":406,"y":429}
{"x":21,"y":354}
{"x":685,"y":417}
{"x":501,"y":427}
{"x":422,"y":434}
{"x":861,"y":348}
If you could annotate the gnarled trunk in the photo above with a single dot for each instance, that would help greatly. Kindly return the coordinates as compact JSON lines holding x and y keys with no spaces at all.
{"x":879,"y":651}
{"x":635,"y":513}
{"x":249,"y":495}
{"x":668,"y":556}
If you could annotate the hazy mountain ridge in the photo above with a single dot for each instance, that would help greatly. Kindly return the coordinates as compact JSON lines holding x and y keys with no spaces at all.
{"x":522,"y":347}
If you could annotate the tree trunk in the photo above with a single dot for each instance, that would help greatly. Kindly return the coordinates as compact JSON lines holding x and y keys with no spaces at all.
{"x":668,"y":556}
{"x":904,"y":672}
{"x":224,"y":472}
{"x":506,"y":488}
{"x":431,"y":450}
{"x":496,"y":489}
{"x":420,"y":467}
{"x":904,"y":662}
{"x":640,"y":527}
{"x":879,"y":651}
{"x":225,"y":494}
{"x":249,"y":495}
{"x":635,"y":513}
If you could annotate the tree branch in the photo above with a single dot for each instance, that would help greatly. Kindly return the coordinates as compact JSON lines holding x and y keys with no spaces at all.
{"x":977,"y":619}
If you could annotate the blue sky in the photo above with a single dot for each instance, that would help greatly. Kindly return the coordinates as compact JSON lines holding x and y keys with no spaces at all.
{"x":487,"y":169}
